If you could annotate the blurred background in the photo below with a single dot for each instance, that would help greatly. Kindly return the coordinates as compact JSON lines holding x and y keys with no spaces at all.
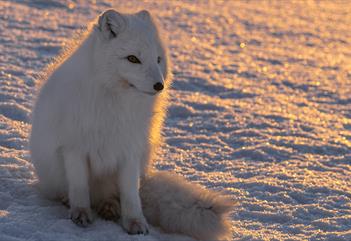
{"x":260,"y":109}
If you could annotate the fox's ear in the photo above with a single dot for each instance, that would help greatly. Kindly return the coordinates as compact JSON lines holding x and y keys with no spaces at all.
{"x":144,"y":14}
{"x":111,"y":23}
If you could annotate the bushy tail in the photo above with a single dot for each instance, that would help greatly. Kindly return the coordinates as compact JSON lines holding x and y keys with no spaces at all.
{"x":177,"y":206}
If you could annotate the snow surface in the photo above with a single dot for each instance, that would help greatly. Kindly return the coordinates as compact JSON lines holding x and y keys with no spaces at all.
{"x":260,"y":109}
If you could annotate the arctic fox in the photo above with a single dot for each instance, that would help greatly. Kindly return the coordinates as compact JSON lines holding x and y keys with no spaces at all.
{"x":96,"y":123}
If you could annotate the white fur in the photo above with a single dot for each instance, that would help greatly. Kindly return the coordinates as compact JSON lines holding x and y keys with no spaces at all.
{"x":97,"y":119}
{"x":174,"y":204}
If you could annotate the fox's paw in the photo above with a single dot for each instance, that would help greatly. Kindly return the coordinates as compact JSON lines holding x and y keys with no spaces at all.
{"x":65,"y":200}
{"x":109,"y":209}
{"x":135,"y":225}
{"x":81,"y":216}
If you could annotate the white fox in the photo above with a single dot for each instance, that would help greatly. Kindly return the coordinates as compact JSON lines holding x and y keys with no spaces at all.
{"x":96,"y":123}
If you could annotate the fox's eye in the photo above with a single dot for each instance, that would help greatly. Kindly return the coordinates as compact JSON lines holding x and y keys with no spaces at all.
{"x":158,"y":59}
{"x":133,"y":59}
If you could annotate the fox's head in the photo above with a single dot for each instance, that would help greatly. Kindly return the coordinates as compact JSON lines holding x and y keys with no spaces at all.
{"x":131,"y":51}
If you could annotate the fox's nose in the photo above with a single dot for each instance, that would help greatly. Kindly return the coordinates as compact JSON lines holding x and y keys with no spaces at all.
{"x":158,"y":86}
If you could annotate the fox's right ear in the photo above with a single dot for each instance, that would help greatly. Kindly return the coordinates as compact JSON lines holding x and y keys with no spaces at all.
{"x":111,"y":23}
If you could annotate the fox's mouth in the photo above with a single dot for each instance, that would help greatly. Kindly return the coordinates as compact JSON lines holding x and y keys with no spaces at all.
{"x":142,"y":91}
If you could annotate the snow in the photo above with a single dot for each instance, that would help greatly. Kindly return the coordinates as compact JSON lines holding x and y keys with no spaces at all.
{"x":260,"y":109}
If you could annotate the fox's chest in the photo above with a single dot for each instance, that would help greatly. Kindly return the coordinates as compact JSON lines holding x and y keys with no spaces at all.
{"x":117,"y":136}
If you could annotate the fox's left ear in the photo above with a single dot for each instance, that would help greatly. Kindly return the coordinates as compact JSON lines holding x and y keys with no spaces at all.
{"x":112,"y":23}
{"x":144,"y":14}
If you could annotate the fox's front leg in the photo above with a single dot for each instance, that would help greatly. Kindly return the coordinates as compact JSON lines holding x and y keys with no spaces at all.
{"x":133,"y":220}
{"x":76,"y":168}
